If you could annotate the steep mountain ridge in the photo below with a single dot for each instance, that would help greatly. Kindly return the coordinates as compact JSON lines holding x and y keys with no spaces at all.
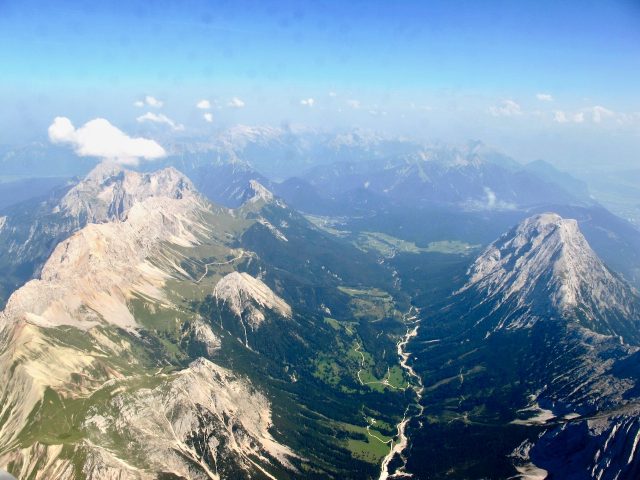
{"x":89,"y":280}
{"x":109,"y":191}
{"x":32,"y":230}
{"x":90,"y":276}
{"x":537,"y":341}
{"x":546,"y":262}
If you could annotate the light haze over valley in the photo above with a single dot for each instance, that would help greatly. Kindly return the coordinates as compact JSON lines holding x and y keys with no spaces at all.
{"x":311,"y":240}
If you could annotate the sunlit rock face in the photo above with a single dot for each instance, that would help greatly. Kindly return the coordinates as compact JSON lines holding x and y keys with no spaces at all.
{"x":543,"y":268}
{"x":71,"y":339}
{"x":109,"y":191}
{"x":247,"y":296}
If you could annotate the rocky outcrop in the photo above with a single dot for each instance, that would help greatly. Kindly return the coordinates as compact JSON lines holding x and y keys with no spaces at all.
{"x":247,"y":297}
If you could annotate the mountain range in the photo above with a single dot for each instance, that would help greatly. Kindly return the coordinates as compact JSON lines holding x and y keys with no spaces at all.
{"x":133,"y":352}
{"x":390,"y":310}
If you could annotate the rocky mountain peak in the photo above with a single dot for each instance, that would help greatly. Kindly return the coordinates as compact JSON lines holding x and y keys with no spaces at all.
{"x":549,"y":222}
{"x":109,"y":191}
{"x":256,"y":192}
{"x":261,"y":192}
{"x":544,"y":267}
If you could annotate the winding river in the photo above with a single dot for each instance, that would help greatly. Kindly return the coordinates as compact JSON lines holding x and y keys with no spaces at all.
{"x":398,"y":447}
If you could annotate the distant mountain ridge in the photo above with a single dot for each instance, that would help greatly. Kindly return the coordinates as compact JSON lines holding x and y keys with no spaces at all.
{"x":471,"y":179}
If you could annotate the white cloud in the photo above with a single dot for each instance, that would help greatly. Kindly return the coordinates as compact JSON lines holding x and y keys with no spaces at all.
{"x":98,"y":138}
{"x":307,"y":102}
{"x":61,"y":130}
{"x":203,"y":104}
{"x":599,"y":113}
{"x":235,"y":102}
{"x":353,"y":103}
{"x":627,"y":118}
{"x":578,"y":117}
{"x":159,"y":118}
{"x":491,"y":197}
{"x":208,"y":117}
{"x":507,"y":108}
{"x":596,"y":114}
{"x":564,"y":117}
{"x":333,"y":94}
{"x":153,"y":102}
{"x":544,"y":97}
{"x":149,"y":101}
{"x":560,"y":117}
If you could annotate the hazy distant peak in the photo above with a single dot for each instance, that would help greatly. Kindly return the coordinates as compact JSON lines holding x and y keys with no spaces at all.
{"x":104,"y":170}
{"x":239,"y":136}
{"x":260,"y":192}
{"x":472,"y":154}
{"x":256,"y":192}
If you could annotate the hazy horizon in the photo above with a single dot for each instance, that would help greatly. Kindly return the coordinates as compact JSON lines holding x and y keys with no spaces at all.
{"x":552,"y":82}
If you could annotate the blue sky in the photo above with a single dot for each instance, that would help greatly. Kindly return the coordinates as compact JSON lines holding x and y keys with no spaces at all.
{"x":511,"y":73}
